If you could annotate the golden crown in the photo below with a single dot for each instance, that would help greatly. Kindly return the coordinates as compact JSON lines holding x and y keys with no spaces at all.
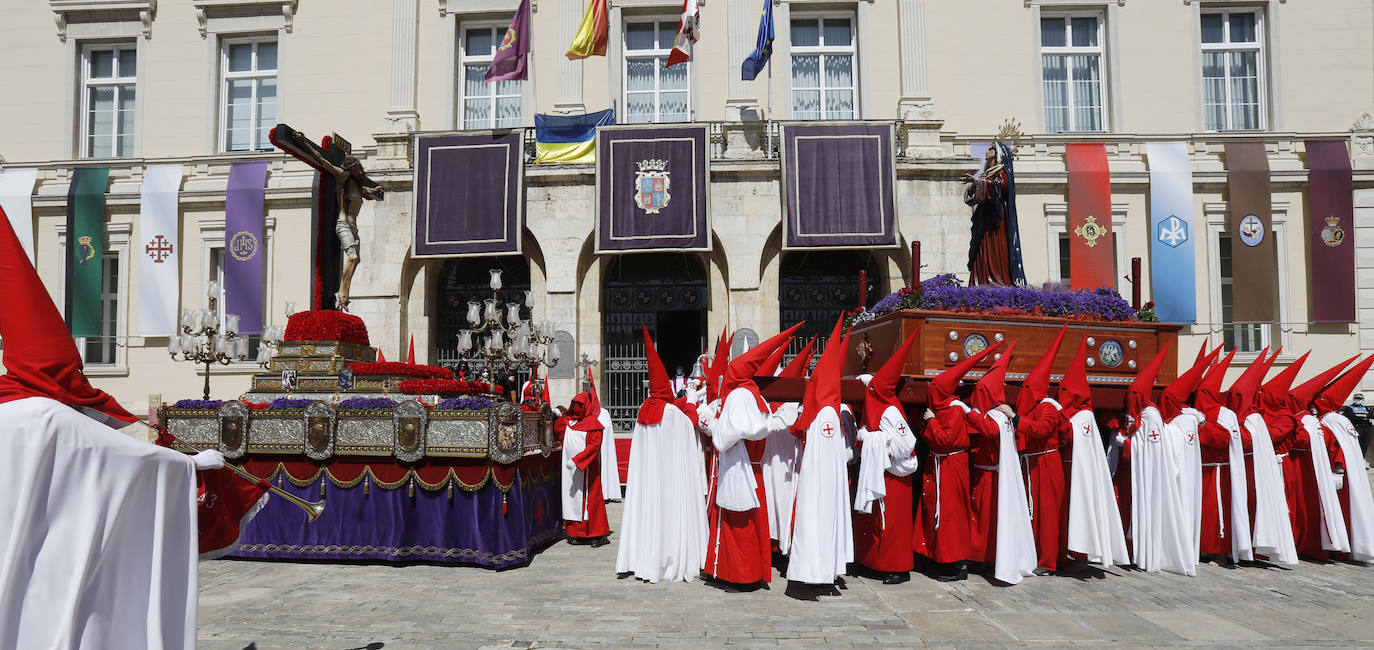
{"x":652,"y":165}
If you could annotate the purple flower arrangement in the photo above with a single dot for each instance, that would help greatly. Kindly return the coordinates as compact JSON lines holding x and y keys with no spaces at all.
{"x":465,"y":403}
{"x":945,"y":293}
{"x":285,"y":403}
{"x":363,"y":403}
{"x":202,"y":404}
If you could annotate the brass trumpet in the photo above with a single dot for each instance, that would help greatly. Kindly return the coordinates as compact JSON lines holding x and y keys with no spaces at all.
{"x":313,"y":509}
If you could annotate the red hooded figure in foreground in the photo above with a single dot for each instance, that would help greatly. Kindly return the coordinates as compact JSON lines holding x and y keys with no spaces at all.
{"x":584,"y":507}
{"x":1037,"y":434}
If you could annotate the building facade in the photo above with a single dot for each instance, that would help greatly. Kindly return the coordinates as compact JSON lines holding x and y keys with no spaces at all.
{"x":125,"y":84}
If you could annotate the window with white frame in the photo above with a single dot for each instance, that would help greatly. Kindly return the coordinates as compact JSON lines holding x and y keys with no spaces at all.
{"x":654,"y":93}
{"x":109,"y":84}
{"x":103,"y":349}
{"x":216,"y":274}
{"x":1248,"y":337}
{"x":248,"y":93}
{"x":824,"y":70}
{"x":1071,"y":72}
{"x":494,"y":105}
{"x":1233,"y":83}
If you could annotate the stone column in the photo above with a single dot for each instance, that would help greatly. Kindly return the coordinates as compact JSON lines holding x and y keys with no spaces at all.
{"x":916,"y":108}
{"x":569,"y":98}
{"x":402,"y":116}
{"x":744,"y":125}
{"x":1362,"y":154}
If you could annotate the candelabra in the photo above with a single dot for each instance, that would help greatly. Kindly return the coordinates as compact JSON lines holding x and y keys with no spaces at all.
{"x":513,"y":342}
{"x":201,"y":340}
{"x":272,"y":337}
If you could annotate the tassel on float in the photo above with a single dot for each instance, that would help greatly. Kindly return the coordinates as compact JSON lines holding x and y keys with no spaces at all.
{"x":503,"y":503}
{"x":366,"y":486}
{"x":411,"y":492}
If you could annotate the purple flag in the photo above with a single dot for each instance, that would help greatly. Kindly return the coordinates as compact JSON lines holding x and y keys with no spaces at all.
{"x":838,"y":180}
{"x":510,"y":62}
{"x":243,"y":244}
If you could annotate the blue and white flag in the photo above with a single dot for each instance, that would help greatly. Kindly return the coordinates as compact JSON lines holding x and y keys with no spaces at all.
{"x":1172,"y":232}
{"x":763,"y":49}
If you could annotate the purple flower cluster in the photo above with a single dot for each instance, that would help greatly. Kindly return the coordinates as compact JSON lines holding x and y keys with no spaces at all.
{"x":210,"y":404}
{"x":945,"y":293}
{"x":466,"y":403}
{"x":367,"y":403}
{"x":283,"y":403}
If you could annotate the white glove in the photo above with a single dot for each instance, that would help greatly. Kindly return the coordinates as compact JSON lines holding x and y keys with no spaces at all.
{"x":1120,"y":439}
{"x":706,"y":412}
{"x":208,"y":459}
{"x":1339,"y":478}
{"x":930,"y":415}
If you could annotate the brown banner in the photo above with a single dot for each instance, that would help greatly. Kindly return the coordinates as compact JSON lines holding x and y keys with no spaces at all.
{"x":1331,"y":231}
{"x":1254,"y":289}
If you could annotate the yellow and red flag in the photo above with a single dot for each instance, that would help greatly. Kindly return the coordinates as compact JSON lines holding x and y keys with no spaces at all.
{"x":592,"y":34}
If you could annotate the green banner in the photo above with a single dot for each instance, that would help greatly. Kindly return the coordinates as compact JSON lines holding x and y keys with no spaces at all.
{"x":85,"y":249}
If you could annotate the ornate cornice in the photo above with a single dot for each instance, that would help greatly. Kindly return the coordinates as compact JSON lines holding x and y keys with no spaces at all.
{"x":204,"y":9}
{"x":109,"y":10}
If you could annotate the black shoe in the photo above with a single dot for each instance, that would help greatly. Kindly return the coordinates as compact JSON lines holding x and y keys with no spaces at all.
{"x":599,"y":542}
{"x":1041,"y":571}
{"x":579,"y":541}
{"x":961,"y":574}
{"x":897,"y":578}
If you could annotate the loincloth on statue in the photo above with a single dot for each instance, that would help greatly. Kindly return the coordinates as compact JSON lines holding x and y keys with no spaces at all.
{"x":348,"y":235}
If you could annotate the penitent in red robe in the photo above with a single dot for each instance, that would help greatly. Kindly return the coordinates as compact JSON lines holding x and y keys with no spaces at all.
{"x":739,"y":549}
{"x":1305,"y":504}
{"x":943,"y":518}
{"x":883,"y":538}
{"x":985,"y":437}
{"x":1038,"y":437}
{"x":594,"y":522}
{"x":1216,"y":486}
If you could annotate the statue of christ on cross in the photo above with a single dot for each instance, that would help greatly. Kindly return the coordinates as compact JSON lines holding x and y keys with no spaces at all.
{"x":353,"y":187}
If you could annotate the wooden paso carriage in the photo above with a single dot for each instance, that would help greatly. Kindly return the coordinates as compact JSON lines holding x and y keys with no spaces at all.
{"x":1116,"y":350}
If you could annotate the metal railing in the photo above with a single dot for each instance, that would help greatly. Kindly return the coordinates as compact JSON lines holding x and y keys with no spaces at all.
{"x":770,"y":146}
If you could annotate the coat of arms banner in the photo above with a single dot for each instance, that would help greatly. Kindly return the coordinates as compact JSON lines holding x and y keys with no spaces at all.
{"x":652,"y":188}
{"x":469,"y":193}
{"x":1330,"y":231}
{"x":838,"y":180}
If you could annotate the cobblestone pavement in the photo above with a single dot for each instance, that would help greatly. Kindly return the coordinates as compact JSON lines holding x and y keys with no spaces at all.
{"x":570,"y":597}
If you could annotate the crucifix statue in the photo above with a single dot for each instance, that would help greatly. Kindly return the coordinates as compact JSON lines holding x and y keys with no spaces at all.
{"x":342,"y":188}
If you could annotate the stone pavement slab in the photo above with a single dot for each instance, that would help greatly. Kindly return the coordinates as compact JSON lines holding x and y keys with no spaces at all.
{"x":570,"y":597}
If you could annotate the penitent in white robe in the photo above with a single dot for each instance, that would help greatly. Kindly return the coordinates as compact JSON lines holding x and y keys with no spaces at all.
{"x":1160,"y":523}
{"x":610,"y":460}
{"x":1361,"y":529}
{"x":1273,"y":530}
{"x":663,"y":528}
{"x":98,"y":545}
{"x":1094,"y":520}
{"x":1015,"y":554}
{"x":823,"y":532}
{"x":781,"y":453}
{"x":1334,"y":536}
{"x":1183,"y":443}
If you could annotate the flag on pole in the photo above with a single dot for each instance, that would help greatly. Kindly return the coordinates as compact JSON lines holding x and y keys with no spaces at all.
{"x":763,"y":50}
{"x":16,"y":197}
{"x":85,"y":248}
{"x":568,"y":138}
{"x":1172,"y":233}
{"x":591,"y":36}
{"x":512,"y":55}
{"x":688,"y":31}
{"x":159,"y":250}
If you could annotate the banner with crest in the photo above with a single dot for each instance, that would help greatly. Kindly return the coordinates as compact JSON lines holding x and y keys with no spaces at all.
{"x":652,"y":186}
{"x":469,"y":193}
{"x":1254,"y":267}
{"x":838,"y":179}
{"x":1331,"y":231}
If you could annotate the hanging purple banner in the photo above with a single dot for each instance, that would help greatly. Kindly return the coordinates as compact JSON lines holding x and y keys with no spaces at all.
{"x":1331,"y":231}
{"x":652,"y":187}
{"x":244,"y":244}
{"x":838,"y":179}
{"x":469,"y":193}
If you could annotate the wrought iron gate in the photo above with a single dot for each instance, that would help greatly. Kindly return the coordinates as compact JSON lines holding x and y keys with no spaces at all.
{"x":816,"y":287}
{"x":626,"y":305}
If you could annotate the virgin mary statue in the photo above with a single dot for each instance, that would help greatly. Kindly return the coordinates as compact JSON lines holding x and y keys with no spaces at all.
{"x":994,"y":252}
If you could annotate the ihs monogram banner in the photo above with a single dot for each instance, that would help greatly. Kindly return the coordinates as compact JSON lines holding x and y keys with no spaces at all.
{"x":838,"y":181}
{"x":1172,"y":281}
{"x":1331,"y":231}
{"x":1254,"y":269}
{"x":652,"y":188}
{"x":244,"y":245}
{"x":469,"y":193}
{"x":1092,"y":258}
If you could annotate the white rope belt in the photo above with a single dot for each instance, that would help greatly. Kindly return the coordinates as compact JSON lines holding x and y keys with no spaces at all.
{"x":1221,"y":516}
{"x":987,"y":468}
{"x":936,"y":468}
{"x":1025,"y":471}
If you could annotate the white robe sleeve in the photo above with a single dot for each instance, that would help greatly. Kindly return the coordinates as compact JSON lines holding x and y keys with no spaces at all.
{"x":873,"y":460}
{"x":1015,"y":553}
{"x":901,"y":443}
{"x":610,"y":458}
{"x":1361,"y":529}
{"x":1239,"y":532}
{"x":740,"y":419}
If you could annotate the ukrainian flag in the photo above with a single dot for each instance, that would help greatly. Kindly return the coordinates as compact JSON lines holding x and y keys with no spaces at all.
{"x":568,"y":138}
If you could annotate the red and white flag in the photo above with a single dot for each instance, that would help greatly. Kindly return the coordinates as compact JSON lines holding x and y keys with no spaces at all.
{"x":687,"y":34}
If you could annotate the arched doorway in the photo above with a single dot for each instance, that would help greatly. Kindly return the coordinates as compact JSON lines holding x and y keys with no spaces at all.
{"x":818,"y":286}
{"x":467,"y":279}
{"x":668,"y":293}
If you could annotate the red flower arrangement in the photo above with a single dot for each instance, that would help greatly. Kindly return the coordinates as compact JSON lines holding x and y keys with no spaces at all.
{"x":324,"y":325}
{"x":446,"y":387}
{"x":396,"y":368}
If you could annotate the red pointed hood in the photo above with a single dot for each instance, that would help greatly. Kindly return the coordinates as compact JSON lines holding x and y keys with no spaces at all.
{"x":717,"y":368}
{"x":991,"y":389}
{"x":381,"y":358}
{"x":1209,"y":398}
{"x":741,"y":372}
{"x":1333,"y":398}
{"x":1174,"y":398}
{"x":40,"y":356}
{"x":882,"y":388}
{"x":797,"y":368}
{"x":823,"y":389}
{"x":1141,"y":392}
{"x":943,"y":387}
{"x":660,"y":389}
{"x":770,"y":365}
{"x":591,"y":407}
{"x":1036,"y":387}
{"x":1273,"y":396}
{"x":1301,"y":397}
{"x":1074,"y":393}
{"x":1244,"y":391}
{"x":410,"y":358}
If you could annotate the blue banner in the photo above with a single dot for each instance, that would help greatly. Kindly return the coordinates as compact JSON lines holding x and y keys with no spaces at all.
{"x":1172,"y":232}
